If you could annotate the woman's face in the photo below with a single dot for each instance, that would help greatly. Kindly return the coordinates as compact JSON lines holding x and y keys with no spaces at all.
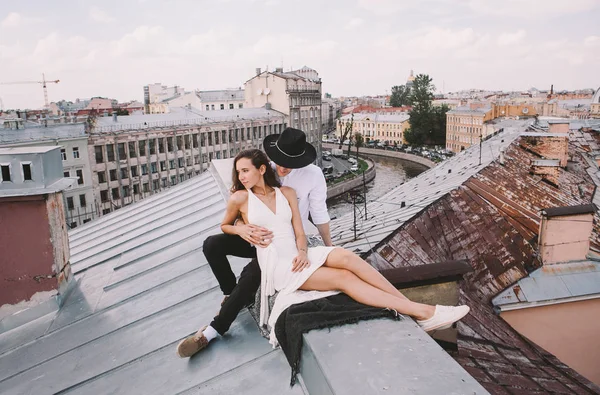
{"x":248,"y":175}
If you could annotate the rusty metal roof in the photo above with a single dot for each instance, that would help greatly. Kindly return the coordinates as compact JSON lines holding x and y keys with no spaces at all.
{"x":492,"y":221}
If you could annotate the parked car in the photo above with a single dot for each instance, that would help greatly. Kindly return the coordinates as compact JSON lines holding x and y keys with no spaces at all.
{"x":352,"y":160}
{"x":327,"y":157}
{"x":329,"y":177}
{"x":354,"y":167}
{"x":328,"y":169}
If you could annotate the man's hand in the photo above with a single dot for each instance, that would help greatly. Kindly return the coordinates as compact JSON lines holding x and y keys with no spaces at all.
{"x":255,"y":235}
{"x":300,"y":262}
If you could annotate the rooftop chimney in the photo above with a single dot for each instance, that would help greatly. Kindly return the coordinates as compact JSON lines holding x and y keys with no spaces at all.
{"x":114,"y":116}
{"x":565,"y":233}
{"x":279,"y":69}
{"x":548,"y":146}
{"x":258,"y":71}
{"x":547,"y":168}
{"x":35,"y":267}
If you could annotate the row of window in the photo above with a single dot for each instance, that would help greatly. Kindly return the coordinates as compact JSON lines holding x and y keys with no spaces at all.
{"x":71,"y":205}
{"x":6,"y":173}
{"x":187,"y":141}
{"x":467,"y":120}
{"x":75,"y":153}
{"x":464,"y":129}
{"x":231,"y":106}
{"x":79,"y":174}
{"x":115,"y":193}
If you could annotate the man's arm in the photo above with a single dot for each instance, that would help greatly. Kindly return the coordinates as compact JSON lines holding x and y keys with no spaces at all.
{"x":318,"y":207}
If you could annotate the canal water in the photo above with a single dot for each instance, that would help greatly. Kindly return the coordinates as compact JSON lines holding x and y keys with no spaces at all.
{"x":390,"y":172}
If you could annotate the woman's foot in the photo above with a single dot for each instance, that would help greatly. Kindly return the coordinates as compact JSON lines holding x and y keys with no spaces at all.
{"x":443,"y":317}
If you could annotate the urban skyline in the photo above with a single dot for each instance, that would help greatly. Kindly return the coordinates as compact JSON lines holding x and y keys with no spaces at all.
{"x":113,"y":50}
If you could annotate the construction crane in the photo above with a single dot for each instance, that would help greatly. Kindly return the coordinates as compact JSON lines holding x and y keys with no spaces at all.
{"x":43,"y":82}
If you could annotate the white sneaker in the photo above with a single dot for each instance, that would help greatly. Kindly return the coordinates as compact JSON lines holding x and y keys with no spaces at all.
{"x":443,"y":317}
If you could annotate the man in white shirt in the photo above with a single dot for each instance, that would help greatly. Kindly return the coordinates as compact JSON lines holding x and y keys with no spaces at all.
{"x":293,"y":158}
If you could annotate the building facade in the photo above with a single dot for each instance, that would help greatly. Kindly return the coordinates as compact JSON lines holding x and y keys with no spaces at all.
{"x":296,"y":94}
{"x":136,"y":157}
{"x":595,"y":105}
{"x":465,"y":127}
{"x":383,"y":127}
{"x":218,"y":100}
{"x":73,"y":142}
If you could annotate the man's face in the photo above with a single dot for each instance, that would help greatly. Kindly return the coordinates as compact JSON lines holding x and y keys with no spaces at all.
{"x":282,"y":171}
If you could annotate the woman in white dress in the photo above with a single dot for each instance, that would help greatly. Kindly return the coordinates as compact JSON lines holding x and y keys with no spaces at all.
{"x":296,"y":271}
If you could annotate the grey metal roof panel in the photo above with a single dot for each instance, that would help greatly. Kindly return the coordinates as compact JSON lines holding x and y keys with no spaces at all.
{"x":145,"y":286}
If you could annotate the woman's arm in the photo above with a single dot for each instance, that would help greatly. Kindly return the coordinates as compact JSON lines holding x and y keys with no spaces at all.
{"x":255,"y":235}
{"x":301,"y":261}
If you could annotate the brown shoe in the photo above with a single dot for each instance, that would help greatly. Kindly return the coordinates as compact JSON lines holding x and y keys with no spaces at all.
{"x":192,"y":344}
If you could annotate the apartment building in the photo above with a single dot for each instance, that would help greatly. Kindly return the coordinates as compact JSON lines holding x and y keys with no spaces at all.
{"x":465,"y":127}
{"x":296,"y":94}
{"x":384,"y":127}
{"x":134,"y":157}
{"x":73,"y":142}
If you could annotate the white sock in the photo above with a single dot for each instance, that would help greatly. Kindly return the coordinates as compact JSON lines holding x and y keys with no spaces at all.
{"x":210,"y":333}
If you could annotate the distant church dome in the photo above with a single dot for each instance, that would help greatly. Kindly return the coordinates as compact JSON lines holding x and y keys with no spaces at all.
{"x":596,"y":97}
{"x":411,"y":78}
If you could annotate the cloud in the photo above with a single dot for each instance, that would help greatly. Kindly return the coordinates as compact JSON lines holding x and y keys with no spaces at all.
{"x":354,"y":23}
{"x":511,"y":38}
{"x":101,"y":16}
{"x":532,"y":9}
{"x":13,"y":19}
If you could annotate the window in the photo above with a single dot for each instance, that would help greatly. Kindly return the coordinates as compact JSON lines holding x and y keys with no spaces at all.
{"x":164,"y":182}
{"x":125,"y":190}
{"x":101,"y":177}
{"x":124,"y":172}
{"x":202,"y":139}
{"x":163,"y":165}
{"x":80,"y":177}
{"x":113,"y":174}
{"x":161,"y":145}
{"x":181,"y":177}
{"x":104,"y":196}
{"x":85,"y":221}
{"x":240,"y":105}
{"x":212,"y":106}
{"x":231,"y":106}
{"x":99,"y":154}
{"x":66,"y":174}
{"x":132,"y":153}
{"x":203,"y":158}
{"x":195,"y":140}
{"x":222,"y":106}
{"x":73,"y":225}
{"x":121,"y":147}
{"x":223,"y":136}
{"x":218,"y":154}
{"x":173,"y":180}
{"x":82,"y":201}
{"x":144,"y":169}
{"x":180,"y":162}
{"x":216,"y":137}
{"x":209,"y":135}
{"x":186,"y":138}
{"x":136,"y":189}
{"x":188,"y":161}
{"x":26,"y":171}
{"x":152,"y":147}
{"x":105,"y":211}
{"x":170,"y":144}
{"x":179,"y":143}
{"x":110,"y":152}
{"x":142,"y":145}
{"x":70,"y":204}
{"x":155,"y":185}
{"x":63,"y":154}
{"x":172,"y":164}
{"x":207,"y":108}
{"x":153,"y":167}
{"x":115,"y":193}
{"x":134,"y":171}
{"x":75,"y":152}
{"x":146,"y":187}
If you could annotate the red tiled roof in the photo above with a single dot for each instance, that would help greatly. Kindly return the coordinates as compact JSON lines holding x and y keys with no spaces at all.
{"x":492,"y":222}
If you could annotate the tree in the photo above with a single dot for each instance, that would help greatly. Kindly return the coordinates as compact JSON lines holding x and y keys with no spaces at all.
{"x":90,"y":122}
{"x":346,"y":128}
{"x":122,"y":111}
{"x":401,"y":96}
{"x":427,"y":123}
{"x":358,"y":141}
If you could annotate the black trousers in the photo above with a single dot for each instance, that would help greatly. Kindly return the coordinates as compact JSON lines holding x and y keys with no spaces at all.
{"x":216,"y":248}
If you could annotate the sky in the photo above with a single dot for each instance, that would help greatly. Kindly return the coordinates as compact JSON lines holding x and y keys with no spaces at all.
{"x":359,"y":47}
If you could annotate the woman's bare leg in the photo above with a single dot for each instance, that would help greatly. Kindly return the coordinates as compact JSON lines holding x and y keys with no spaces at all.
{"x":340,"y":258}
{"x":332,"y":279}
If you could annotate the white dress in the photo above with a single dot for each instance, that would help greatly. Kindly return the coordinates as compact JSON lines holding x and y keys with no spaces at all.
{"x":276,"y":259}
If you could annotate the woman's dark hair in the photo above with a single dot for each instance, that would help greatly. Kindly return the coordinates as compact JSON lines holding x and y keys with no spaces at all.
{"x":258,"y":158}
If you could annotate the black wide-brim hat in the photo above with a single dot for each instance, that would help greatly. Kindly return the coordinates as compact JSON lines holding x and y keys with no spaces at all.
{"x":290,"y":149}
